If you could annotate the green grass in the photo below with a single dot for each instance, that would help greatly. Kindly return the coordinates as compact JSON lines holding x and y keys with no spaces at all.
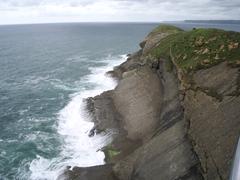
{"x":164,"y":28}
{"x":163,"y":50}
{"x":110,"y":153}
{"x":200,"y":48}
{"x":113,"y":153}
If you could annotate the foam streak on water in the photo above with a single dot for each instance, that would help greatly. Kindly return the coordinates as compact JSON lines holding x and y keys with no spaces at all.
{"x":74,"y":124}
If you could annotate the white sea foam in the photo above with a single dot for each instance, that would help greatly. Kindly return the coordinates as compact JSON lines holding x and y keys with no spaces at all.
{"x":74,"y":124}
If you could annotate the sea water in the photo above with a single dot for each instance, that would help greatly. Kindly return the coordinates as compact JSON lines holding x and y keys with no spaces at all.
{"x":46,"y":72}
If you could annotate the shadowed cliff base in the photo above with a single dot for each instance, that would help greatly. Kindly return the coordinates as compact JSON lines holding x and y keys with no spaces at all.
{"x":175,"y":108}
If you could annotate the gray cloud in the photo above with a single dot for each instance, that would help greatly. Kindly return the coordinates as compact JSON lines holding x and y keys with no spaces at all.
{"x":116,"y":10}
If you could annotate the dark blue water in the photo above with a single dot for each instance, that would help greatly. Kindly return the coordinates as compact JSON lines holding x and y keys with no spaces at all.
{"x":45,"y":72}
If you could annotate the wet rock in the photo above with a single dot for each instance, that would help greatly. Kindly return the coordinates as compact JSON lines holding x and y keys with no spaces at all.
{"x":104,"y":113}
{"x":103,"y":172}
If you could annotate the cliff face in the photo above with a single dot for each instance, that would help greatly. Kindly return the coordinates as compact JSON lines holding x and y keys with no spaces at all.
{"x":175,"y":108}
{"x":137,"y":98}
{"x":214,"y":121}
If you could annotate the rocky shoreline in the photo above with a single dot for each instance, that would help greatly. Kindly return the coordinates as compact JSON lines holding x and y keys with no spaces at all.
{"x":169,"y":124}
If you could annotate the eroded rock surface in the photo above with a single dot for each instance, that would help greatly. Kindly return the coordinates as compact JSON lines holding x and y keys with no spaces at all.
{"x":138,"y":99}
{"x":169,"y":124}
{"x":214,"y":124}
{"x":166,"y":156}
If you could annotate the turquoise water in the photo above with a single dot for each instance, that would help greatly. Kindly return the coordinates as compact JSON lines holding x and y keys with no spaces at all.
{"x":45,"y":73}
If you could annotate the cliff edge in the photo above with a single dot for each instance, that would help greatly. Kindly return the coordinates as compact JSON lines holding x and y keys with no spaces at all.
{"x":175,"y":109}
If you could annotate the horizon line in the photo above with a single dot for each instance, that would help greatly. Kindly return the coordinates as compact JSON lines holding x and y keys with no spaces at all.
{"x":85,"y":22}
{"x":111,"y":22}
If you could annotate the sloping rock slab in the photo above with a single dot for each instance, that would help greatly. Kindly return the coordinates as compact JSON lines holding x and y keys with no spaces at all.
{"x":168,"y":156}
{"x":137,"y":98}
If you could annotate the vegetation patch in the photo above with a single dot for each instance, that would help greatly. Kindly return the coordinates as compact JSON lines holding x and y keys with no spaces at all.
{"x":163,"y":49}
{"x":200,"y":48}
{"x":110,"y":152}
{"x":165,"y":28}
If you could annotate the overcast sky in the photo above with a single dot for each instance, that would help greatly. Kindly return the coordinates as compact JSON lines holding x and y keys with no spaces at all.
{"x":41,"y":11}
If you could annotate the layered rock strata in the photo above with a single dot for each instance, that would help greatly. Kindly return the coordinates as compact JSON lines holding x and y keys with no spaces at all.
{"x":168,"y":124}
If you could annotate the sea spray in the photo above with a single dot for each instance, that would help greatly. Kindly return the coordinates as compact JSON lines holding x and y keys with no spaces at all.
{"x":74,"y":124}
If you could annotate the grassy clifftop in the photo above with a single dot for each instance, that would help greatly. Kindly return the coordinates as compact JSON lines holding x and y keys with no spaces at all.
{"x":164,"y":28}
{"x":199,"y":48}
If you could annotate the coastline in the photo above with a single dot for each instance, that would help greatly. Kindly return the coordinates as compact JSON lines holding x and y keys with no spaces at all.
{"x":74,"y":124}
{"x":157,"y":114}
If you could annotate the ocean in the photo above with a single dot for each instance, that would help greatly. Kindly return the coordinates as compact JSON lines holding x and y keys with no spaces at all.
{"x":46,"y":72}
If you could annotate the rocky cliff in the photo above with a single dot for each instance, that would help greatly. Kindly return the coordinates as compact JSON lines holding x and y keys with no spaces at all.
{"x":175,"y":110}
